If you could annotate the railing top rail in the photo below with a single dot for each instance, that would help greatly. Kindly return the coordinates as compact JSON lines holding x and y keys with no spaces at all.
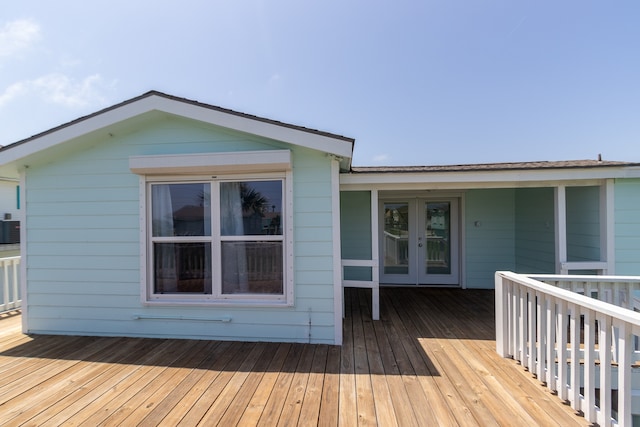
{"x":607,"y":309}
{"x":9,"y":258}
{"x":584,"y":278}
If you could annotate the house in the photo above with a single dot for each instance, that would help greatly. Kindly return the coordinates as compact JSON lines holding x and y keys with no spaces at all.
{"x":166,"y":217}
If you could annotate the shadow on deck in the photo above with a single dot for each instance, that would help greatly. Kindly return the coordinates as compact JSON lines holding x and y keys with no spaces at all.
{"x":430,"y":360}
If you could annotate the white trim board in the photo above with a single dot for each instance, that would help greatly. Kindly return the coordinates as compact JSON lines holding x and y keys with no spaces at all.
{"x":475,"y":179}
{"x":212,"y":163}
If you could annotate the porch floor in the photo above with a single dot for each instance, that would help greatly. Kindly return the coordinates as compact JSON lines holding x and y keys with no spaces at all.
{"x":430,"y":360}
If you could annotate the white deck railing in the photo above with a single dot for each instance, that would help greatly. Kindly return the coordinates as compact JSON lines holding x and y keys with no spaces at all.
{"x":10,"y":286}
{"x":582,"y":348}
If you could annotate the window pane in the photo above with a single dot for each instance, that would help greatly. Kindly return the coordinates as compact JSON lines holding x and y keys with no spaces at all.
{"x":181,"y":209}
{"x":252,"y":268}
{"x":251,"y":208}
{"x":182,"y":268}
{"x":396,"y":238}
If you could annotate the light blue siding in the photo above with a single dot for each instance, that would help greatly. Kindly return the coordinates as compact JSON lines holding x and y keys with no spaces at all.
{"x":84,"y":242}
{"x":583,"y":223}
{"x":535,"y":230}
{"x":355,"y":224}
{"x":355,"y":230}
{"x":490,"y":235}
{"x":627,"y":227}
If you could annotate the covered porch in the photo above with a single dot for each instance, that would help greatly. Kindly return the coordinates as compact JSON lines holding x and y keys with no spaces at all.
{"x":544,"y":219}
{"x":430,"y":360}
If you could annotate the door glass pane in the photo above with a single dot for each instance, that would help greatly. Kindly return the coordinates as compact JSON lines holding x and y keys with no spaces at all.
{"x":396,"y":238}
{"x":438,"y":234}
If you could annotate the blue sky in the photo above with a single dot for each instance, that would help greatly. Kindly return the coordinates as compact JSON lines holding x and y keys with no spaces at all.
{"x":414,"y":82}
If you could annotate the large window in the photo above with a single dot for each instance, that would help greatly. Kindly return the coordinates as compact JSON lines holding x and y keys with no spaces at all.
{"x":219,"y":240}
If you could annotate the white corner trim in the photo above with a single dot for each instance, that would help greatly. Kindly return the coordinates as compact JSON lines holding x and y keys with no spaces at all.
{"x":23,"y":252}
{"x":212,"y":163}
{"x":338,"y":293}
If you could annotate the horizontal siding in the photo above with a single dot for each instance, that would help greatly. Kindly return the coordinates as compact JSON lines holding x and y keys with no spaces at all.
{"x":583,"y":223}
{"x":187,"y":330}
{"x":627,"y":226}
{"x":83,"y":252}
{"x":87,"y":248}
{"x":490,"y":245}
{"x":535,"y":238}
{"x":355,"y":224}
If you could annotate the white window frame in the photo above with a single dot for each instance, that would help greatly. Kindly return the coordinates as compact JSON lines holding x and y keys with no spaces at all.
{"x":216,"y":297}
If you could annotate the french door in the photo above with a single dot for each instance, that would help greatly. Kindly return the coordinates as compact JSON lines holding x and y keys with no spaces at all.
{"x":419,"y":241}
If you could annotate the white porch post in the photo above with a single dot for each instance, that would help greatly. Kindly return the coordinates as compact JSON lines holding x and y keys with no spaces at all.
{"x":560,"y":194}
{"x":24,"y":294}
{"x":375,"y":268}
{"x":502,"y":316}
{"x":607,"y":226}
{"x":337,"y":253}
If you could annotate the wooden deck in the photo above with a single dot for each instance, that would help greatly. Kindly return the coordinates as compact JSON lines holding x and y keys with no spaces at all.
{"x":430,"y":360}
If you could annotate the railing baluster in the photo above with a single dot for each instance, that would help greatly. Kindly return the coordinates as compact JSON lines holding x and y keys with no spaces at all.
{"x":624,"y":373}
{"x":550,"y":341}
{"x":522,"y":323}
{"x":5,"y":285}
{"x":574,"y":396}
{"x":589,"y":393}
{"x":561,"y":350}
{"x":531,"y":319}
{"x":541,"y":328}
{"x":604,"y":344}
{"x":10,"y":289}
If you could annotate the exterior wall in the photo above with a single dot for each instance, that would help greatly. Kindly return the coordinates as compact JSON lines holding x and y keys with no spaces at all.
{"x":534,"y":236}
{"x":627,"y":226}
{"x":489,"y":222}
{"x":583,"y":223}
{"x":83,"y":225}
{"x":355,"y":229}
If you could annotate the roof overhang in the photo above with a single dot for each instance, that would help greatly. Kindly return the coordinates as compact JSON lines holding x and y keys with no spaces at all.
{"x":459,"y":180}
{"x":151,"y":102}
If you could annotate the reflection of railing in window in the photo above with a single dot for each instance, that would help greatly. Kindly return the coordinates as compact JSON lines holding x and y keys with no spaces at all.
{"x":185,"y":269}
{"x":437,"y":252}
{"x":396,"y":249}
{"x":264,"y":267}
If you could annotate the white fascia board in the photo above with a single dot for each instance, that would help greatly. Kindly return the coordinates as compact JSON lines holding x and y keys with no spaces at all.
{"x":477,"y":179}
{"x":126,"y":111}
{"x":75,"y":130}
{"x":208,"y":163}
{"x":261,"y":128}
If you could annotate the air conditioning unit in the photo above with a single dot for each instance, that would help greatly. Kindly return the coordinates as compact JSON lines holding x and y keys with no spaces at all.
{"x":9,"y":232}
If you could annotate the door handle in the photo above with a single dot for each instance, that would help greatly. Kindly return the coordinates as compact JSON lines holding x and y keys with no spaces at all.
{"x":419,"y":245}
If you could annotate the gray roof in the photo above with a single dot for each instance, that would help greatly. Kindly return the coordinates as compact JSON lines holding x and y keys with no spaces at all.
{"x":486,"y":167}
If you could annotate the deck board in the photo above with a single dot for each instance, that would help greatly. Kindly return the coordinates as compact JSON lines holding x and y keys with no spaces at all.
{"x":430,"y":360}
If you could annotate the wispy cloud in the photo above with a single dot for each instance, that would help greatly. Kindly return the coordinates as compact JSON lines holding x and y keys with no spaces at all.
{"x":380,"y":158}
{"x":59,"y":89}
{"x":16,"y":36}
